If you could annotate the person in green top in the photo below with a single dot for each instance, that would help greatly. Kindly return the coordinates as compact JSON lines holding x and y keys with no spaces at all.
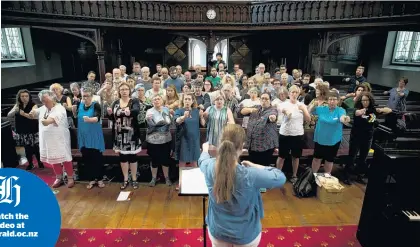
{"x":215,"y":80}
{"x":348,"y":103}
{"x":219,"y":60}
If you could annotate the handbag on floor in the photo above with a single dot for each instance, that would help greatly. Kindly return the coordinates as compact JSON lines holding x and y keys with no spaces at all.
{"x":305,"y":186}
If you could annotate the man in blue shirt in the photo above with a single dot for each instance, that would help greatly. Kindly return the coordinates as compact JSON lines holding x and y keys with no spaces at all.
{"x":398,"y":96}
{"x":174,"y":80}
{"x":328,"y":131}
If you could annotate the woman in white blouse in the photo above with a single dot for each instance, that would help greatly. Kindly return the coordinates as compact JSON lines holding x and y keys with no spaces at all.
{"x":293,"y":114}
{"x":248,"y":105}
{"x":283,"y":93}
{"x":54,"y":137}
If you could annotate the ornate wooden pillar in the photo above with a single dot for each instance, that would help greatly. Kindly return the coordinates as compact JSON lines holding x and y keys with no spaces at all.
{"x":210,"y":43}
{"x":321,"y":67}
{"x":119,"y":52}
{"x":323,"y":52}
{"x":209,"y":56}
{"x":101,"y":65}
{"x":99,"y":38}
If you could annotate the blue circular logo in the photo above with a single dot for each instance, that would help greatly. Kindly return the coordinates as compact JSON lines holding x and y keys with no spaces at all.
{"x":29,"y":212}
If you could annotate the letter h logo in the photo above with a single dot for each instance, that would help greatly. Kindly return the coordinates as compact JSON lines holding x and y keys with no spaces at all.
{"x":9,"y":192}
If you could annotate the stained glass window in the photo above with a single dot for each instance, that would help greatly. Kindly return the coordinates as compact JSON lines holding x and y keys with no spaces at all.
{"x":407,"y":48}
{"x":12,"y":45}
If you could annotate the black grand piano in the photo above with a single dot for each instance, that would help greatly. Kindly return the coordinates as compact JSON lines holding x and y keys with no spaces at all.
{"x":390,"y":214}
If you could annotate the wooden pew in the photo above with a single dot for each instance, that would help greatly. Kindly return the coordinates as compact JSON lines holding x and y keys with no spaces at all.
{"x":112,"y":159}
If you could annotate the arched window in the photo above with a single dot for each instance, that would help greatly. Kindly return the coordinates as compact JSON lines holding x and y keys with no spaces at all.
{"x":224,"y":52}
{"x":197,"y":51}
{"x":221,"y":47}
{"x":196,"y":56}
{"x":216,"y":50}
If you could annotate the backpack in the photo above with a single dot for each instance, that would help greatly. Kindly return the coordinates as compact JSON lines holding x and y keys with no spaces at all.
{"x":305,"y":186}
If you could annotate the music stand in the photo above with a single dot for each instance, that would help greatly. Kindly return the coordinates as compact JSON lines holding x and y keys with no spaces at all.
{"x":193,"y":183}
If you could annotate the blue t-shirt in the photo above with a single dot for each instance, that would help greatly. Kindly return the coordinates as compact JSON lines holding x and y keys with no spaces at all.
{"x":329,"y":129}
{"x":397,"y":102}
{"x":239,"y":220}
{"x":178,"y":83}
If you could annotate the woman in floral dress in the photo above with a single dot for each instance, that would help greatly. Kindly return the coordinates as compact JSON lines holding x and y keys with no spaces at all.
{"x":125,"y":132}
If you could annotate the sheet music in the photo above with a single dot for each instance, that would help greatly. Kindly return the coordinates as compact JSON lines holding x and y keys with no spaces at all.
{"x":124,"y":196}
{"x":193,"y":182}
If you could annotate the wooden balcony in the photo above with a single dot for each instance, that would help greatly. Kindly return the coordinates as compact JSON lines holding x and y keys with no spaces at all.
{"x":236,"y":15}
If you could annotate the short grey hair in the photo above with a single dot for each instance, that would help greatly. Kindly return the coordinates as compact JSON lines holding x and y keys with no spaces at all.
{"x":88,"y":90}
{"x":123,"y":67}
{"x":74,"y":85}
{"x":318,"y":80}
{"x":333,"y":93}
{"x":47,"y":92}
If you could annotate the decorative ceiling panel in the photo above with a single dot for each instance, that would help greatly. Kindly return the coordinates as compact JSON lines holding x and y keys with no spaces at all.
{"x":180,"y":42}
{"x":236,"y":57}
{"x":243,"y":50}
{"x":171,"y":48}
{"x":179,"y":55}
{"x":236,"y":44}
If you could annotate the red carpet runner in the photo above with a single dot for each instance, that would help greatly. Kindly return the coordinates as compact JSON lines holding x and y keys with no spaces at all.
{"x":326,"y":236}
{"x":46,"y":174}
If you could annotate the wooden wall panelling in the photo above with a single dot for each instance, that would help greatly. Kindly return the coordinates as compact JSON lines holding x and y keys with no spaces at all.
{"x":240,"y":53}
{"x":237,"y":15}
{"x":177,"y":52}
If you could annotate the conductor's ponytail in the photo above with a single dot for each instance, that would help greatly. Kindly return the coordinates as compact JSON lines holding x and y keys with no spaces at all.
{"x":232,"y":141}
{"x":225,"y":171}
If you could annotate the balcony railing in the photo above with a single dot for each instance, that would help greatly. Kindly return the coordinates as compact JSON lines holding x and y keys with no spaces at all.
{"x":194,"y":14}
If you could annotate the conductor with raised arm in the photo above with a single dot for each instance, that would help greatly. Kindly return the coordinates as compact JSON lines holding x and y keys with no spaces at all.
{"x":235,"y":205}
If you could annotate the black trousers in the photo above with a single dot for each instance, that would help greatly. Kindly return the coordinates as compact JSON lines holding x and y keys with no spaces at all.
{"x":262,"y":158}
{"x":358,"y":144}
{"x":93,"y":162}
{"x":31,"y":150}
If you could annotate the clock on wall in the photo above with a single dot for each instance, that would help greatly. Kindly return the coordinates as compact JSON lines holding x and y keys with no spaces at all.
{"x":211,"y":14}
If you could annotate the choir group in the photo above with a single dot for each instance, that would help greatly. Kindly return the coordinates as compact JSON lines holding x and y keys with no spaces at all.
{"x":273,"y":109}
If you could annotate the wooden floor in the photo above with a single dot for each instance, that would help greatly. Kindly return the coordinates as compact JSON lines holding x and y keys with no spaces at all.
{"x":161,"y":207}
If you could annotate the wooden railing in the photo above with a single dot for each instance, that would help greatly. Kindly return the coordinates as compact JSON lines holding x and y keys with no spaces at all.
{"x":174,"y":14}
